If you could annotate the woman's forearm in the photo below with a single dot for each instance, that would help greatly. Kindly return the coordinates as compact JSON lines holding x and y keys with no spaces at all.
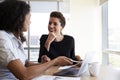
{"x":27,"y":73}
{"x":38,"y":69}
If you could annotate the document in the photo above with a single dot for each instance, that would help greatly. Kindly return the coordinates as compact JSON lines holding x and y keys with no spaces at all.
{"x":48,"y":77}
{"x":67,"y":67}
{"x":64,"y":67}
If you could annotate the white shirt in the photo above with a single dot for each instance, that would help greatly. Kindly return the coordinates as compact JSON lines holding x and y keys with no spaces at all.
{"x":10,"y":49}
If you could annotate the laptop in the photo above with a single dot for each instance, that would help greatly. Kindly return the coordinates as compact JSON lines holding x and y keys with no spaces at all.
{"x":76,"y":72}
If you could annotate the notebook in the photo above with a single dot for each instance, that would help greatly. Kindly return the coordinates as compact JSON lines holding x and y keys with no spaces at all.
{"x":76,"y":72}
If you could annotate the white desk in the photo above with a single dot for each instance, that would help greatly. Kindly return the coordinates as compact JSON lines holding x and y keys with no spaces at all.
{"x":106,"y":73}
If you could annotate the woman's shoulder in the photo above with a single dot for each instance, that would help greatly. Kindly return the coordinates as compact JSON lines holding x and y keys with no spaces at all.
{"x":43,"y":37}
{"x":3,"y":34}
{"x":5,"y":38}
{"x":68,"y":37}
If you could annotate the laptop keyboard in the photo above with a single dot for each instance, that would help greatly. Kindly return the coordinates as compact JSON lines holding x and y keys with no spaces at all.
{"x":66,"y":72}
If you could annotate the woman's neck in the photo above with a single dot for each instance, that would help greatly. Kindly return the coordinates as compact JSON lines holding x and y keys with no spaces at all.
{"x":59,"y":38}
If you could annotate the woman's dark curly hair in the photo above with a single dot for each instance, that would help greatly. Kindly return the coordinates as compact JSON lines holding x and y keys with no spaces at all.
{"x":12,"y":16}
{"x":60,"y":16}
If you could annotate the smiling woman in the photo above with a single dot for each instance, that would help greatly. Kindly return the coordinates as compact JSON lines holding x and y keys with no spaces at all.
{"x":39,"y":20}
{"x":83,"y":21}
{"x":55,"y":43}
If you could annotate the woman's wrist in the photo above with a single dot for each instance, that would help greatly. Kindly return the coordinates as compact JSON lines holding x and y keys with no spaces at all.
{"x":54,"y":61}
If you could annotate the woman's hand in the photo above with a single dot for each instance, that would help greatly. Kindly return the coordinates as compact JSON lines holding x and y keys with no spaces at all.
{"x":44,"y":59}
{"x":78,"y":58}
{"x":50,"y":39}
{"x":62,"y":61}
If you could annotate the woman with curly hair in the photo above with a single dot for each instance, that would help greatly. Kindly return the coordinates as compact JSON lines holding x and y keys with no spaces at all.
{"x":14,"y":20}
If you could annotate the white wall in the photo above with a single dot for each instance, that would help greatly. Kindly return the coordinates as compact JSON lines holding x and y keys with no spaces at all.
{"x":85,"y":25}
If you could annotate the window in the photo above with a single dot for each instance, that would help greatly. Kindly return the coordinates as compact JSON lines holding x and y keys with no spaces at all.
{"x":114,"y":24}
{"x":112,"y":31}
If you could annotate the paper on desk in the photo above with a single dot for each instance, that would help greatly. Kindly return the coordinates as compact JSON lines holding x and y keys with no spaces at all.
{"x":48,"y":77}
{"x":65,"y":67}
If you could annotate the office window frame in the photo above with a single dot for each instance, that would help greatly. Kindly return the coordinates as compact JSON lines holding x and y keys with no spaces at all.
{"x":105,"y":32}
